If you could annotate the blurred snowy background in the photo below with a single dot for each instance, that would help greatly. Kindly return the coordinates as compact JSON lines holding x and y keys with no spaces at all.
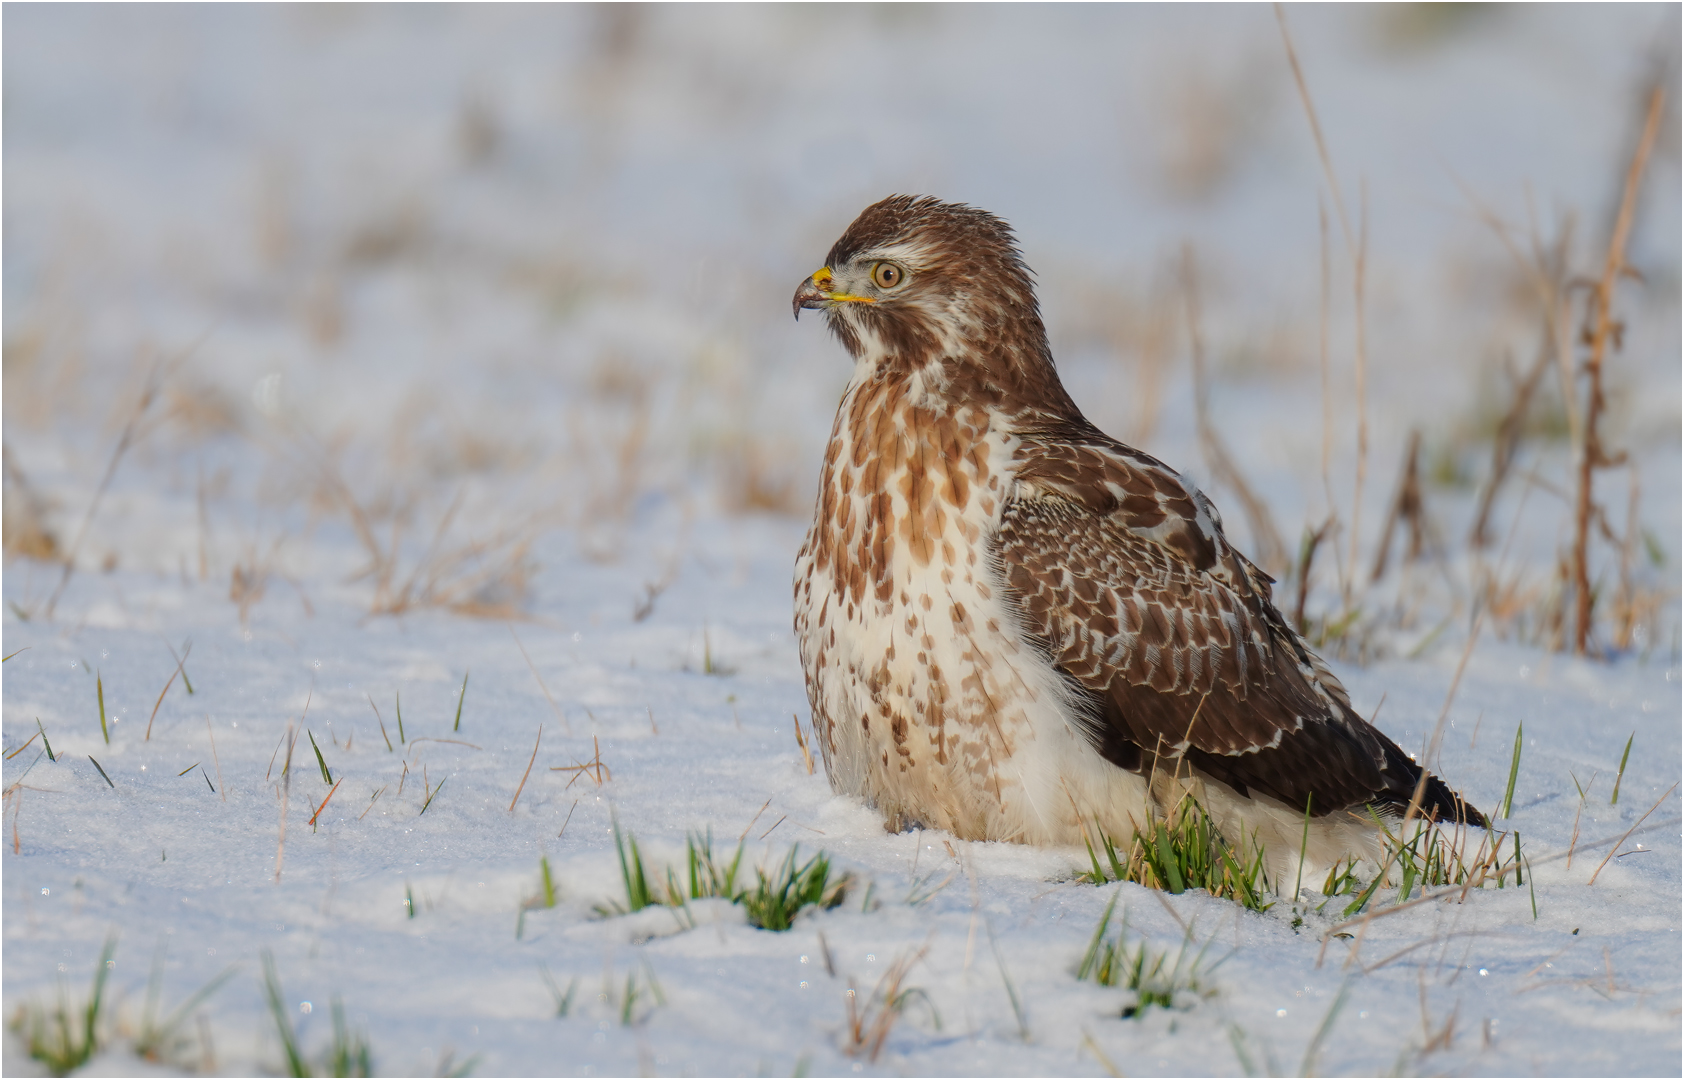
{"x":376,"y":260}
{"x":333,"y":333}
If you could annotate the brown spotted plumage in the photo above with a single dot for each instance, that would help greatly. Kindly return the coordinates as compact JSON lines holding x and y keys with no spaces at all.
{"x":1012,"y":624}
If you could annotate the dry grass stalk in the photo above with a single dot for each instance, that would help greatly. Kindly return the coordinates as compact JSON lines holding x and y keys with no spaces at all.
{"x":248,"y":581}
{"x":131,"y":431}
{"x":534,"y":669}
{"x":1306,"y":562}
{"x":1356,"y":249}
{"x":594,"y":768}
{"x":291,"y":738}
{"x":1323,"y":327}
{"x":1507,"y":444}
{"x":486,"y":578}
{"x":323,"y":806}
{"x":1584,"y":793}
{"x":1602,"y":330}
{"x":1266,"y":540}
{"x":1406,"y":507}
{"x":1664,"y":796}
{"x":220,"y":787}
{"x":801,"y":740}
{"x":868,"y":1025}
{"x":180,"y":663}
{"x":25,"y":514}
{"x":528,"y":772}
{"x":1445,"y":1036}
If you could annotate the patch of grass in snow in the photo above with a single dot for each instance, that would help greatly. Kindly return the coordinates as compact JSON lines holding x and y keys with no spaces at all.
{"x":636,"y":1000}
{"x":347,"y":1055}
{"x":64,"y":1038}
{"x":161,"y":1040}
{"x":1184,"y":851}
{"x":61,"y":1037}
{"x":708,"y":875}
{"x":563,"y":1001}
{"x":1433,"y":855}
{"x":778,"y":897}
{"x":1153,"y":976}
{"x":772,"y":902}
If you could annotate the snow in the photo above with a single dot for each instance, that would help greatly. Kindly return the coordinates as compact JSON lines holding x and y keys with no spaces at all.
{"x":538,"y":261}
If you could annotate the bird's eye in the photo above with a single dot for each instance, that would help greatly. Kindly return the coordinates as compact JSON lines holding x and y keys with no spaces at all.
{"x":887,"y":275}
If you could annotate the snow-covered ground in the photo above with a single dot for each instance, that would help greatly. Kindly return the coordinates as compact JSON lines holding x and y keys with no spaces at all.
{"x":469,"y":336}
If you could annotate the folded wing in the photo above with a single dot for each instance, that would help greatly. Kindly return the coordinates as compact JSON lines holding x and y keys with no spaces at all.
{"x":1122,"y":573}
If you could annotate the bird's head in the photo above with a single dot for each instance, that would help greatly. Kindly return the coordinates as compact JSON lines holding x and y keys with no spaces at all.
{"x":915,"y":280}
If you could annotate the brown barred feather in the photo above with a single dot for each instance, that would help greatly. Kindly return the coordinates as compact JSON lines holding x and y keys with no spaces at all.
{"x":1136,"y":596}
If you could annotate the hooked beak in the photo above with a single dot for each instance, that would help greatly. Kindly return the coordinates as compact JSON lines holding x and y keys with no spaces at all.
{"x":816,"y":292}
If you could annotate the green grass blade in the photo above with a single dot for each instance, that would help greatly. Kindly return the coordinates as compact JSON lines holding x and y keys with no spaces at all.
{"x":102,"y":775}
{"x":1362,"y":899}
{"x":1514,"y":771}
{"x":464,"y":697}
{"x":1166,"y":853}
{"x":99,"y":688}
{"x":327,"y":777}
{"x":1090,"y":959}
{"x":549,"y":881}
{"x":1622,"y":773}
{"x":278,"y":1009}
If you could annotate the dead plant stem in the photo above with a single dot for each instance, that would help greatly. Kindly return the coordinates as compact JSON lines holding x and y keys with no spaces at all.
{"x":1592,"y":456}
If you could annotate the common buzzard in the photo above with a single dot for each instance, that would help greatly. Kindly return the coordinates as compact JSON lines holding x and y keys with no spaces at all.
{"x":1013,"y":625}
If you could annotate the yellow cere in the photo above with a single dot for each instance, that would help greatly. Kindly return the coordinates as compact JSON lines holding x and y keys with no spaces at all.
{"x":822,"y":279}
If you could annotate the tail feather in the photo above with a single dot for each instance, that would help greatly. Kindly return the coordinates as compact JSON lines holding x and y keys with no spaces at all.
{"x":1437,"y":800}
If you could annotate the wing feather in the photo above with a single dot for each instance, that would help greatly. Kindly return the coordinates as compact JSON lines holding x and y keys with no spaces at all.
{"x":1121,"y":572}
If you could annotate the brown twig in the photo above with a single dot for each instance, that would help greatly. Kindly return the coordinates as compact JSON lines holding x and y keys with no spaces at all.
{"x":1592,"y":455}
